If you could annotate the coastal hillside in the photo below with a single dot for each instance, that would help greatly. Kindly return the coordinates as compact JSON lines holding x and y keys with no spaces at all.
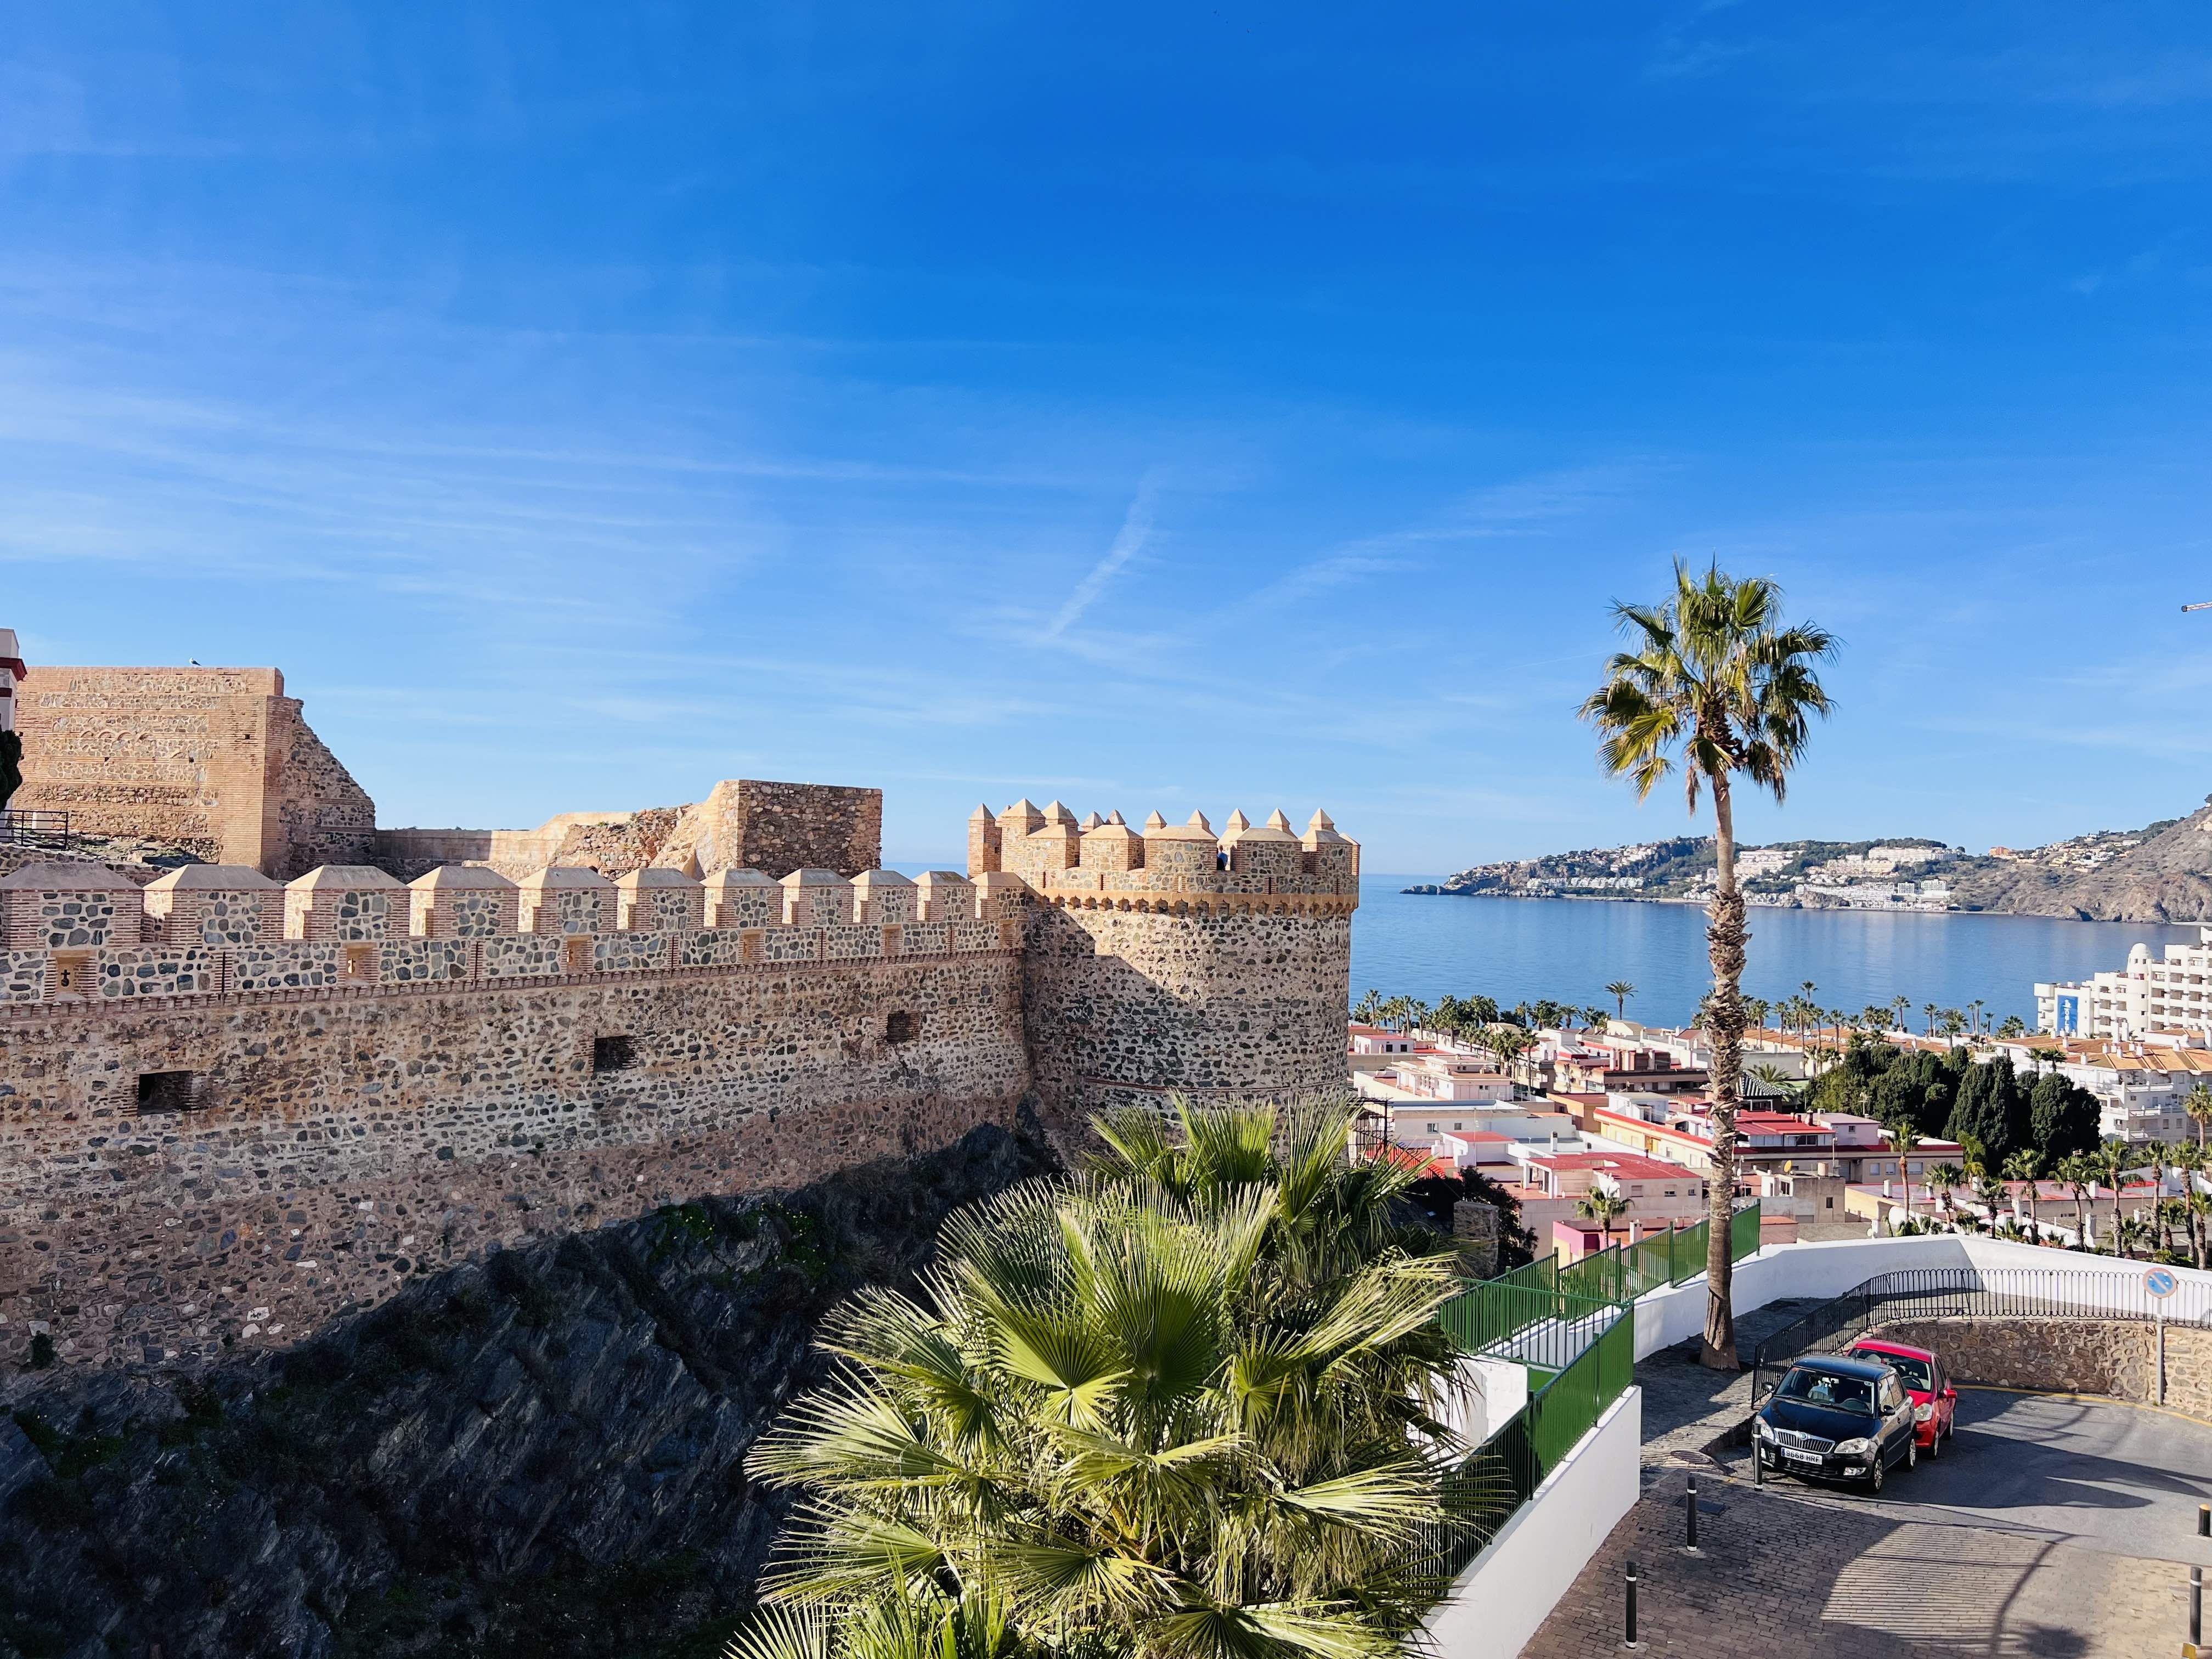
{"x":2163,"y":874}
{"x":2160,"y":873}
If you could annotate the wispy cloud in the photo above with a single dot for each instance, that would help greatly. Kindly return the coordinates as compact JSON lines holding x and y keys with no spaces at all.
{"x":1136,"y":531}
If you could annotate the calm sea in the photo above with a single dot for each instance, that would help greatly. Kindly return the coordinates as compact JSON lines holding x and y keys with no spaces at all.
{"x":1426,"y":947}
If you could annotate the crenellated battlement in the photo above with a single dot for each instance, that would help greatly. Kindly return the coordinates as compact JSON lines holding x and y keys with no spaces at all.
{"x":78,"y":932}
{"x":1053,"y":855}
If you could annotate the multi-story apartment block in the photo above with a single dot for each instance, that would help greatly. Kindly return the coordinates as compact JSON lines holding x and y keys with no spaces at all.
{"x":2150,"y":994}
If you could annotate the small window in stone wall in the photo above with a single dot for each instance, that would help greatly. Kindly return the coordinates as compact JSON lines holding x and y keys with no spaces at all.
{"x":360,"y":962}
{"x":901,"y":1027}
{"x":613,"y":1054}
{"x":168,"y":1091}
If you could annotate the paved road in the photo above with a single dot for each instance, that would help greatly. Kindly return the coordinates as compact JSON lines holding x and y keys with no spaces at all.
{"x":2120,"y":1479}
{"x":2048,"y":1529}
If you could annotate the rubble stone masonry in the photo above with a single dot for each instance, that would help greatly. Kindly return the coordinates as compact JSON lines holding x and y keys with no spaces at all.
{"x":182,"y":1176}
{"x":229,"y":1112}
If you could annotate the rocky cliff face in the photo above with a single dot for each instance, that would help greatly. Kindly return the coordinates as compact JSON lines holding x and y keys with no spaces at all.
{"x":541,"y":1456}
{"x":2165,"y":878}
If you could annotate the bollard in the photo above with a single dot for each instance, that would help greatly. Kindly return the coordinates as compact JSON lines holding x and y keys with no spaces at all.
{"x":1690,"y":1508}
{"x":1631,"y":1641}
{"x":2204,"y":1519}
{"x":2196,"y":1607}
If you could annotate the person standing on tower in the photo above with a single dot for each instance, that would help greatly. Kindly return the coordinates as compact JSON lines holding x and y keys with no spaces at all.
{"x":12,"y":674}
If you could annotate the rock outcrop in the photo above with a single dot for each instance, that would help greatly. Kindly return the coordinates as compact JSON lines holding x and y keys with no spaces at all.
{"x":2166,"y":877}
{"x":540,"y":1455}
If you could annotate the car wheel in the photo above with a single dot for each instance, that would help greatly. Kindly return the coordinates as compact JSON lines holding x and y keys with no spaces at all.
{"x":1874,"y":1476}
{"x":1936,"y":1441}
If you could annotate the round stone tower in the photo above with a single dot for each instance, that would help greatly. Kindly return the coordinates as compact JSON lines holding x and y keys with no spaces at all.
{"x":1178,"y":961}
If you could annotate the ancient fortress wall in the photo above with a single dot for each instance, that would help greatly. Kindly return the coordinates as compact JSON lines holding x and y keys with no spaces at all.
{"x":743,"y":823}
{"x":187,"y":1168}
{"x":1173,"y":960}
{"x":216,"y":759}
{"x":1218,"y":1001}
{"x":230,"y":1111}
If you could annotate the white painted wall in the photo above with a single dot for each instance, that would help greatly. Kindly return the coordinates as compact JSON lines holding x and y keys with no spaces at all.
{"x":1831,"y":1267}
{"x":1507,"y":1592}
{"x":1491,"y":1391}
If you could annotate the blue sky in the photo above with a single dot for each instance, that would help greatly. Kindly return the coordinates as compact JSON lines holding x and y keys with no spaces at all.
{"x":1165,"y":407}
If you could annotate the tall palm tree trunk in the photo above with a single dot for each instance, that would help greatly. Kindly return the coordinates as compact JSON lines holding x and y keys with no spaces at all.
{"x":1725,"y":937}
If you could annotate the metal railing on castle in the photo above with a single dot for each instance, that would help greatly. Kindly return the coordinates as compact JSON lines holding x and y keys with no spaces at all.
{"x":1576,"y":1326}
{"x":1972,"y":1293}
{"x":21,"y":826}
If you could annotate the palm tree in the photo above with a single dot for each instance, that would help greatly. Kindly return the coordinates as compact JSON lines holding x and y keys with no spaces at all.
{"x":1900,"y":1006}
{"x":2198,"y":1103}
{"x":1368,"y":1010}
{"x":1989,"y":1193}
{"x":1954,"y":1023}
{"x":1974,"y":1008}
{"x":2110,"y":1163}
{"x":2026,"y":1164}
{"x":1717,"y":675}
{"x":2014,"y":1026}
{"x":2189,"y":1161}
{"x":1904,"y":1135}
{"x":1185,"y":1406}
{"x":2199,"y":1204}
{"x":1508,"y":1044}
{"x":1620,"y":990}
{"x":1774,"y":1078}
{"x":1603,"y":1207}
{"x":1755,"y":1009}
{"x":1929,"y":1010}
{"x":1944,"y":1178}
{"x":2077,"y":1172}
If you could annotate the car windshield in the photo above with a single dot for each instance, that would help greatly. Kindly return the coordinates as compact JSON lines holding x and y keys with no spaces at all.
{"x":1826,"y":1388}
{"x":1914,"y":1371}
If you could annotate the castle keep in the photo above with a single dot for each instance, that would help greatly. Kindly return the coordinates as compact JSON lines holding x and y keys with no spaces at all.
{"x":231,"y":1108}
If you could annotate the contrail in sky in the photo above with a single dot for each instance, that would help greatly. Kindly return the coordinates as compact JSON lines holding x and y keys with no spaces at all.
{"x":1136,"y":531}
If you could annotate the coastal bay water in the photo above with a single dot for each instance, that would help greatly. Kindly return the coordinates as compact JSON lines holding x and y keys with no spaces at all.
{"x":1427,"y":945}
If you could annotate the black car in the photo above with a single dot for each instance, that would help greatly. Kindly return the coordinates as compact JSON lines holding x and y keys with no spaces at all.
{"x":1836,"y":1420}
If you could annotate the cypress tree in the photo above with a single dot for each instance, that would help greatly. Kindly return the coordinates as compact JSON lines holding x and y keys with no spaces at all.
{"x":2064,"y":1117}
{"x":1990,"y":1109}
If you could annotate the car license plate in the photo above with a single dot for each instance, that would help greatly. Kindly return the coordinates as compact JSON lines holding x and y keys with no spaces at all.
{"x":1800,"y":1457}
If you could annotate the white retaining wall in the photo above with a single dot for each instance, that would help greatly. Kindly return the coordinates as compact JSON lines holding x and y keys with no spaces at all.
{"x":1828,"y":1268}
{"x":1507,"y":1592}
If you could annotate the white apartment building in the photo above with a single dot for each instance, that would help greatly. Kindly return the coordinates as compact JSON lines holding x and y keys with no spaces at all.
{"x":2168,"y":993}
{"x":2142,"y":1090}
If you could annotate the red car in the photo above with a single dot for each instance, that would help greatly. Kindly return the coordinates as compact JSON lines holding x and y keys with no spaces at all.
{"x":1935,"y":1402}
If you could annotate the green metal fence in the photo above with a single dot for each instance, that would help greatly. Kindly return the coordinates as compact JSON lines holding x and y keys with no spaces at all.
{"x":1578,"y":1323}
{"x":1492,"y":1312}
{"x":1482,"y":1494}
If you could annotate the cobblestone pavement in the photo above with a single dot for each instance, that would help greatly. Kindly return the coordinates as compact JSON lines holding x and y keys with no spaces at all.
{"x":1687,"y":1406}
{"x":1782,"y":1574}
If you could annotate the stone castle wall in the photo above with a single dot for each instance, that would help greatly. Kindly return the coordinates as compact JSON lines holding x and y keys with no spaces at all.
{"x":230,"y":1111}
{"x":217,"y":760}
{"x":1220,"y":1000}
{"x":744,"y":823}
{"x":328,"y":1143}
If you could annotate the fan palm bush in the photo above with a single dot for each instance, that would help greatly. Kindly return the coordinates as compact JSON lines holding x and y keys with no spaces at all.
{"x":1190,"y":1403}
